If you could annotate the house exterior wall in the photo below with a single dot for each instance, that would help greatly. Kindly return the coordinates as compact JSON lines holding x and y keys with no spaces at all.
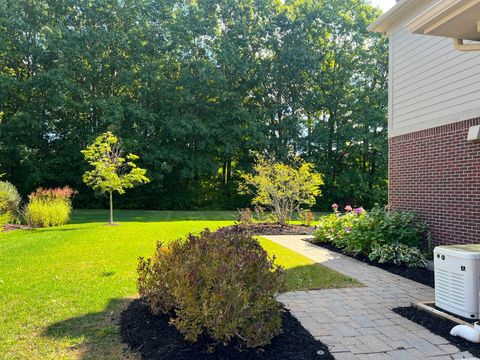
{"x":434,"y":97}
{"x":431,"y":84}
{"x":436,"y":173}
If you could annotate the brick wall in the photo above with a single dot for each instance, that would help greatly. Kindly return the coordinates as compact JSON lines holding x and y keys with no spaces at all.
{"x":436,"y":172}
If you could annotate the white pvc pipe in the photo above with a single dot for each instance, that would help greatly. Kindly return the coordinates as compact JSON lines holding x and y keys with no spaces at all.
{"x":470,"y":333}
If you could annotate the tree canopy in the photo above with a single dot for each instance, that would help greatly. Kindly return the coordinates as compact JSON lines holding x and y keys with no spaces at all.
{"x":196,"y":87}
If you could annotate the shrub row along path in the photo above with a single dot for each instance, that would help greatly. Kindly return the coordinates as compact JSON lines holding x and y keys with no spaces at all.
{"x":357,"y":323}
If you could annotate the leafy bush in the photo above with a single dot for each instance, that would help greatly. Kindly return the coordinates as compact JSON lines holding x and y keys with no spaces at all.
{"x":9,"y":199}
{"x":49,"y":207}
{"x":398,"y":254}
{"x":245,"y":216}
{"x":380,"y":226}
{"x":307,"y":217}
{"x":221,"y":284}
{"x":5,"y":218}
{"x":282,"y":188}
{"x":334,"y":227}
{"x":358,"y":232}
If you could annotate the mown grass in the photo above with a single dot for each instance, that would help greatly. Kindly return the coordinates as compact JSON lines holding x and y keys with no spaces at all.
{"x":62,"y":288}
{"x":303,"y":273}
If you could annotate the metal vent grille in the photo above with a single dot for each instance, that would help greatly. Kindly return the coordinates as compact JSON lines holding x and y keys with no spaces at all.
{"x":450,"y":288}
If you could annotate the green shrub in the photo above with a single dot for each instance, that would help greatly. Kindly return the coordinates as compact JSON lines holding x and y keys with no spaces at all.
{"x":49,"y":207}
{"x":307,"y":217}
{"x":9,"y":199}
{"x":334,"y":227}
{"x":398,"y":254}
{"x":221,"y":284}
{"x":5,"y":218}
{"x":358,"y":232}
{"x":380,"y":226}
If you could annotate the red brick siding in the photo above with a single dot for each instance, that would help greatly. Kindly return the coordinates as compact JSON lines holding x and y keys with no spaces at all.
{"x":436,"y":172}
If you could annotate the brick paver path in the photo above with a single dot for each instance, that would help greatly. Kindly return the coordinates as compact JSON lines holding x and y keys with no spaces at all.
{"x":357,"y":323}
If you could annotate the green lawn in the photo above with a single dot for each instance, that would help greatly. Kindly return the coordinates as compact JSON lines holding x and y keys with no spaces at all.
{"x":62,"y":288}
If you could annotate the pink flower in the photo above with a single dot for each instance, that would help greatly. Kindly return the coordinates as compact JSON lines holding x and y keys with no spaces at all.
{"x":359,"y":210}
{"x":334,"y":206}
{"x":348,"y":229}
{"x":348,"y":208}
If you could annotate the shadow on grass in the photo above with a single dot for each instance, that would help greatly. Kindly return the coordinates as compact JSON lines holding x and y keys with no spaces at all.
{"x":98,"y":333}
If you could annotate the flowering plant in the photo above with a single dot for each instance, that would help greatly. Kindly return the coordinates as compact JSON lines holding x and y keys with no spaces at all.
{"x":358,"y":232}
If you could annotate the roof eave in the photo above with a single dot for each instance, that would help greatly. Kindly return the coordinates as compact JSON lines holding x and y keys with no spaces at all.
{"x":385,"y":22}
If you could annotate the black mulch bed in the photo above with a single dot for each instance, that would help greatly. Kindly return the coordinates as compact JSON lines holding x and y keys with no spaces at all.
{"x":152,"y":337}
{"x":438,"y":326}
{"x":271,"y":229}
{"x":421,"y":275}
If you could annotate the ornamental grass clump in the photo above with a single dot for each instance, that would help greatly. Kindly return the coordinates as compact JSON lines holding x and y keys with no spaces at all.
{"x":220,"y":284}
{"x":49,"y":207}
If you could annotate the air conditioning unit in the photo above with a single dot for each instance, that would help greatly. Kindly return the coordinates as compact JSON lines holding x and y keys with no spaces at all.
{"x":457,"y":277}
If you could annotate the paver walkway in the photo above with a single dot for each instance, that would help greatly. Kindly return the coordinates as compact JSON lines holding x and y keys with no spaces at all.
{"x":357,"y":323}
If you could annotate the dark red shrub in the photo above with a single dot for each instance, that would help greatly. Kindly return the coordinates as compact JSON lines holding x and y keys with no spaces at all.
{"x":217,"y":283}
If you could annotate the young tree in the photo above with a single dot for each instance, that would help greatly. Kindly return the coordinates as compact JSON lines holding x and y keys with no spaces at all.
{"x":283,"y":188}
{"x":112,"y":172}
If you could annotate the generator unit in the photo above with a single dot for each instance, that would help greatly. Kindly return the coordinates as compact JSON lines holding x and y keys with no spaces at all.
{"x":457,"y":277}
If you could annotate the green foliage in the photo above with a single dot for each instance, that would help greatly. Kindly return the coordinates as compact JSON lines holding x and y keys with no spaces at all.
{"x":332,"y":228}
{"x":398,"y":254}
{"x":380,"y":226}
{"x":112,"y":172}
{"x":49,"y":207}
{"x":195,"y":87}
{"x":221,"y":283}
{"x":5,"y":218}
{"x":307,"y":217}
{"x":283,"y":188}
{"x":43,"y":212}
{"x":358,"y":232}
{"x":9,"y":200}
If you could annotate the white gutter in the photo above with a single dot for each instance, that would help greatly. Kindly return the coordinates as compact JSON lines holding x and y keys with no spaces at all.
{"x":385,"y":22}
{"x":430,"y":22}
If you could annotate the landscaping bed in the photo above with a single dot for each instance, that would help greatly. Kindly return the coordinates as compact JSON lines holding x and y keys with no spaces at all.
{"x":153,"y":338}
{"x":11,"y":227}
{"x":271,"y":229}
{"x":421,"y":275}
{"x":438,"y":326}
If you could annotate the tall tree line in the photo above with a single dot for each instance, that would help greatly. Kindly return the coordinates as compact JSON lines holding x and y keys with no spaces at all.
{"x":197,"y":88}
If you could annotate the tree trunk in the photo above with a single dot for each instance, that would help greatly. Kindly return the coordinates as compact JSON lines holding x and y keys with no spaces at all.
{"x":111,"y":208}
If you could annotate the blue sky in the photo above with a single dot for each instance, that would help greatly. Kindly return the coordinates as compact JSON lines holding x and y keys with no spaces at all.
{"x":383,"y":4}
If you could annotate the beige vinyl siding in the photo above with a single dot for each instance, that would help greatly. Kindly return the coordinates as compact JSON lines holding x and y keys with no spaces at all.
{"x":431,"y":84}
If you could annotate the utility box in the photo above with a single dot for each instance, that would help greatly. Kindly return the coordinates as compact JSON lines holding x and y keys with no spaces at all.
{"x":457,"y":277}
{"x":474,"y":133}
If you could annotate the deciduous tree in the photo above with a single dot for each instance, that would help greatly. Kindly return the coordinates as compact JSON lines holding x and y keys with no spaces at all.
{"x":112,"y":171}
{"x":283,"y":188}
